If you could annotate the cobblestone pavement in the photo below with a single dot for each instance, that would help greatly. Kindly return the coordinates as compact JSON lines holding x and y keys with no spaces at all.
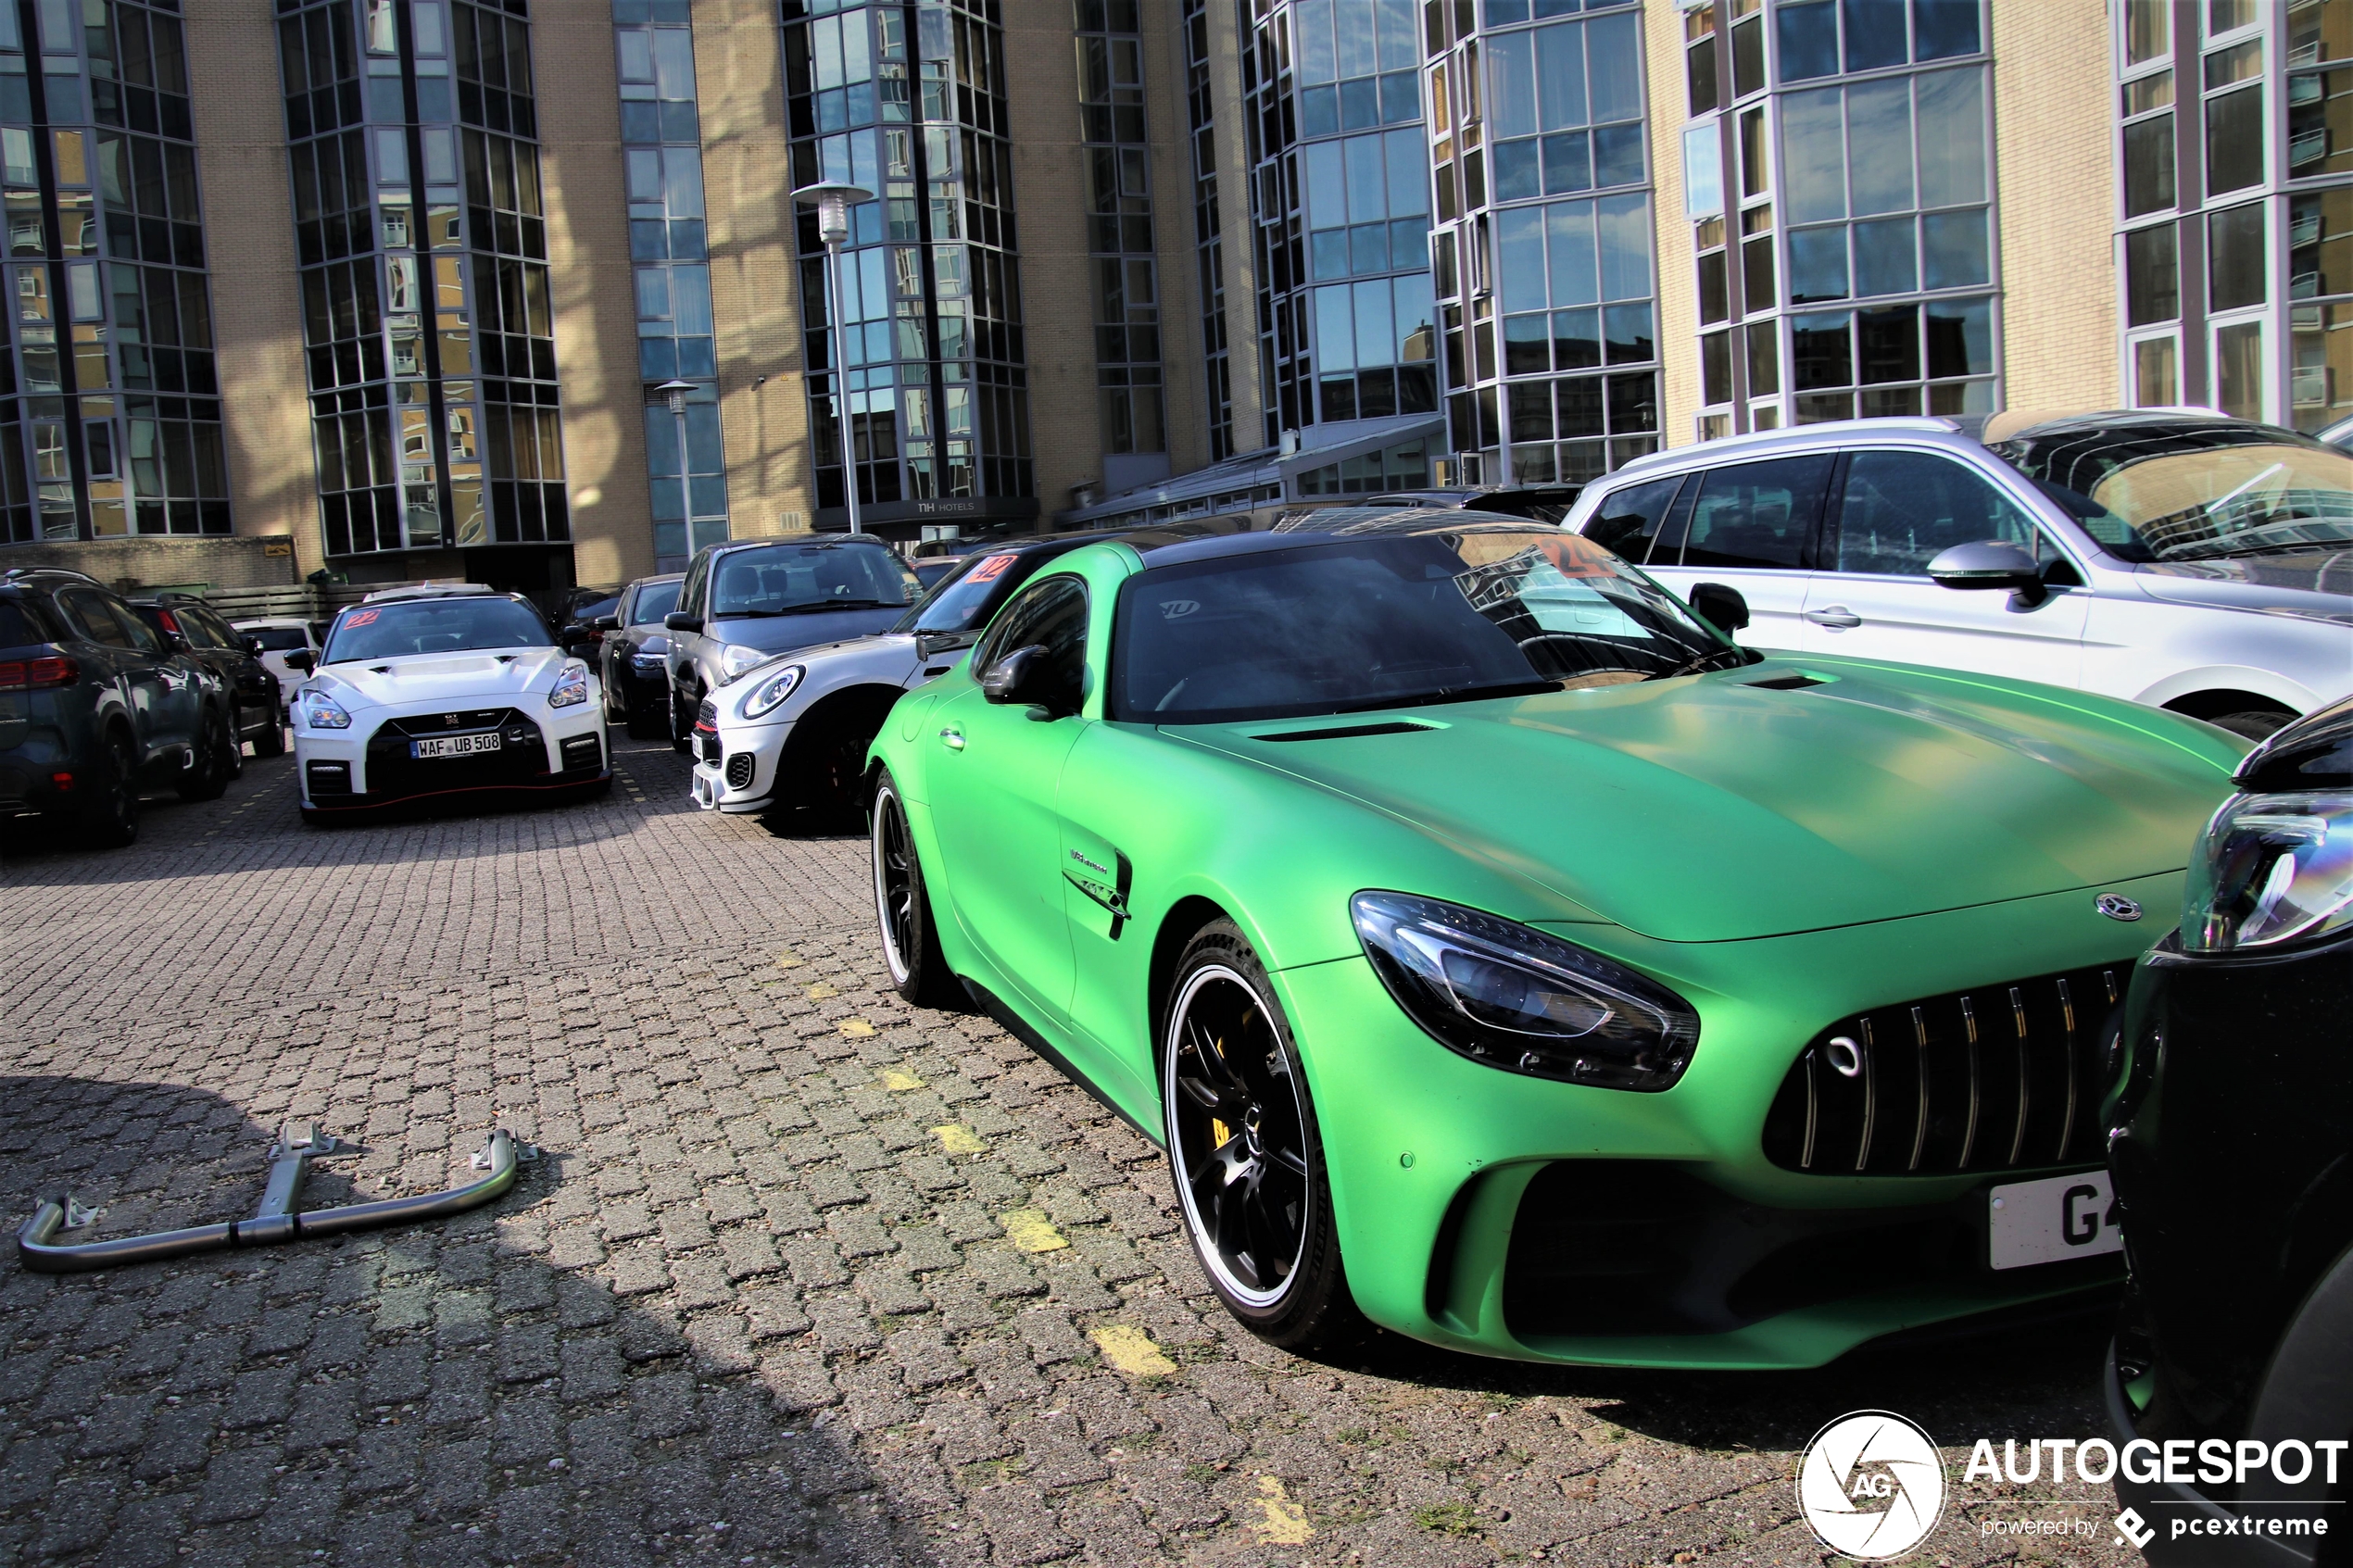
{"x":805,"y":1276}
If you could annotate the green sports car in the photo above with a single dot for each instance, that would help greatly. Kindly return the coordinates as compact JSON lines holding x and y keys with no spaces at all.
{"x":1505,"y":957}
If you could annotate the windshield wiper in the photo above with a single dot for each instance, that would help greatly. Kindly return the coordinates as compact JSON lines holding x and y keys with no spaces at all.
{"x":1692,"y":667}
{"x":818,"y":607}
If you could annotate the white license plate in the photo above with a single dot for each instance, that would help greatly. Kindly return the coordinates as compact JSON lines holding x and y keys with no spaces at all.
{"x":2053,"y":1220}
{"x":455,"y":746}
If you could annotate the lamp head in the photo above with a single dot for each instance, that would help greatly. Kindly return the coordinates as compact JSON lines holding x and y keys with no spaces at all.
{"x":674,"y":393}
{"x":833,"y":201}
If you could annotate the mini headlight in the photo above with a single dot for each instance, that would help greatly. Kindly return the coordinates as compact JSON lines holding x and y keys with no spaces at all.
{"x":2271,"y":867}
{"x":1516,"y":997}
{"x":765,"y":697}
{"x":735,"y":659}
{"x":571,"y":688}
{"x":323,"y":712}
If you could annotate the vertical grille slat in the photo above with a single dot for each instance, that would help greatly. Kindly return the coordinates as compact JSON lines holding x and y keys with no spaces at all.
{"x":1973,"y":1101}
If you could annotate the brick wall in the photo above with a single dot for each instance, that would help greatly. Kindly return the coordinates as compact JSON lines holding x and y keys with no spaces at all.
{"x":144,"y":561}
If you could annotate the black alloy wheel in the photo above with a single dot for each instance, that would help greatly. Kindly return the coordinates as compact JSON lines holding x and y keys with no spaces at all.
{"x":110,"y":814}
{"x":218,"y":759}
{"x":902,"y":909}
{"x":271,"y":739}
{"x":1245,"y":1152}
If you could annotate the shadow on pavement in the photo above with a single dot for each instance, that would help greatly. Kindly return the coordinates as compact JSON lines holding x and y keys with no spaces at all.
{"x":442,"y":1394}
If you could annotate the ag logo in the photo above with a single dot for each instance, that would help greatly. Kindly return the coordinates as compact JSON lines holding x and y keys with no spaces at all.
{"x":1871,"y":1486}
{"x":1176,"y":609}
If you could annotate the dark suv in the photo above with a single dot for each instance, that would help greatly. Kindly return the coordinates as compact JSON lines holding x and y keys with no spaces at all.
{"x":95,"y":708}
{"x":190,"y":625}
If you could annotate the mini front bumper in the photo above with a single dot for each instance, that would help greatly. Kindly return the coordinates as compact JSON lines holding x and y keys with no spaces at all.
{"x":736,"y":767}
{"x":1450,"y":1177}
{"x":2192,"y":1529}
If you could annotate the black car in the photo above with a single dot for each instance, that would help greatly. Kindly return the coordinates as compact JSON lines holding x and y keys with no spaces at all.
{"x":2231,"y":1149}
{"x":1539,"y":503}
{"x":636,"y":647}
{"x":190,"y":625}
{"x":97,"y":708}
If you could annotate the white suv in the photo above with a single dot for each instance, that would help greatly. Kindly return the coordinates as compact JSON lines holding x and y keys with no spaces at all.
{"x":2176,"y":558}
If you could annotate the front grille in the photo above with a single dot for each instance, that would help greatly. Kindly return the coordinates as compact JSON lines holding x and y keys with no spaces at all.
{"x":581,"y":751}
{"x":740,"y":769}
{"x":2006,"y":1077}
{"x":329,"y":778}
{"x":521,"y":759}
{"x":707,"y":716}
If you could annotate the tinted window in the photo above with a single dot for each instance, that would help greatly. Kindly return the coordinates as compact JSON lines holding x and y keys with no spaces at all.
{"x":797,"y":579}
{"x":1628,"y":521}
{"x":699,"y":573}
{"x":143,"y":637}
{"x":654,"y":601}
{"x":435,"y":626}
{"x":1755,"y":515}
{"x":91,"y":620}
{"x":1392,"y":622}
{"x":1052,"y":615}
{"x":17,"y":628}
{"x":609,"y":605}
{"x":966,"y":600}
{"x":278,"y":639}
{"x":1899,"y":510}
{"x":206,"y":628}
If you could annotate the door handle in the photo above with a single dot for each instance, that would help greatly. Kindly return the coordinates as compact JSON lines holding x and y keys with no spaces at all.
{"x":953,"y":738}
{"x":1837,"y":617}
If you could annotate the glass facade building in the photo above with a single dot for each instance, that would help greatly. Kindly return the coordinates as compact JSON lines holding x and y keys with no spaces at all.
{"x":1209,"y":230}
{"x":670,"y":255}
{"x":109,"y":401}
{"x":1545,"y":273}
{"x":1838,"y":162}
{"x":1340,"y":199}
{"x":1120,"y":255}
{"x":421,"y":234}
{"x":2235,"y":184}
{"x":928,"y":362}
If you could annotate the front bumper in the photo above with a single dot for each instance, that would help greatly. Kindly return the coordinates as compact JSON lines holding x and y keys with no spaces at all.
{"x":1478,"y":1209}
{"x":2192,"y":1530}
{"x":368,"y":766}
{"x":737,"y":768}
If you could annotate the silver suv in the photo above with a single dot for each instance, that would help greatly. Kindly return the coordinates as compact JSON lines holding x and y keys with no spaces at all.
{"x":748,"y":600}
{"x":2171,"y":556}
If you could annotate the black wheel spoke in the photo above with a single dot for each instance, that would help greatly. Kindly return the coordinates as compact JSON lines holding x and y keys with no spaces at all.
{"x":1237,"y":1137}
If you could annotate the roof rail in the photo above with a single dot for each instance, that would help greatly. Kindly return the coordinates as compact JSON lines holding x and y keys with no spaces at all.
{"x":18,"y":573}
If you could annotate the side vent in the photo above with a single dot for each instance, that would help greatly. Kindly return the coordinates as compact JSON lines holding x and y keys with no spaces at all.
{"x":1346,"y":730}
{"x":1787,"y":683}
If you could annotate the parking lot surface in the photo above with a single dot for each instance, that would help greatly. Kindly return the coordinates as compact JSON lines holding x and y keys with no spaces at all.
{"x":804,"y":1276}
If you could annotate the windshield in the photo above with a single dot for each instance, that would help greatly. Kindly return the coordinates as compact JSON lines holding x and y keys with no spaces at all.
{"x":966,"y":599}
{"x":1395,"y":621}
{"x":804,"y":579}
{"x":395,"y":631}
{"x":2191,"y":489}
{"x":277,"y":639}
{"x":654,"y":601}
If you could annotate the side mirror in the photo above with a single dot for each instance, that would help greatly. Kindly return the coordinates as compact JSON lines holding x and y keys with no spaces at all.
{"x":302,"y":659}
{"x":679,"y":621}
{"x":604,"y":623}
{"x":1992,"y":563}
{"x":1720,"y":604}
{"x":252,"y":647}
{"x":1023,"y":676}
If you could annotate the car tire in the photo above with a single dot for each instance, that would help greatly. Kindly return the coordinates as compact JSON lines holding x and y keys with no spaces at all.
{"x":682,"y":726}
{"x":110,"y":818}
{"x":831,"y":763}
{"x":642,"y":722}
{"x":2253,"y":723}
{"x":216,"y":744}
{"x":1246,"y":1153}
{"x":903,"y":907}
{"x":271,"y":740}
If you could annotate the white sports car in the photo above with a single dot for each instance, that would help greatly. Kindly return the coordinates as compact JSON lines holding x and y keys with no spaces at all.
{"x":426,"y":693}
{"x":793,"y":730}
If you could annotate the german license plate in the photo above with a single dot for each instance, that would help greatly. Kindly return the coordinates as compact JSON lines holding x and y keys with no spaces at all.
{"x":2053,"y":1220}
{"x":455,"y":746}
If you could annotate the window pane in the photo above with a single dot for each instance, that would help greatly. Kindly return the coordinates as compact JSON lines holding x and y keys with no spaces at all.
{"x":1879,"y":119}
{"x":1520,"y":256}
{"x":1408,"y":167}
{"x":2152,"y":285}
{"x":1808,"y":37}
{"x":1335,"y":330}
{"x":1954,"y":250}
{"x":2148,"y":31}
{"x":1630,"y":333}
{"x":2155,"y":382}
{"x":1569,"y":233}
{"x":2238,"y":370}
{"x":1615,"y":67}
{"x":1511,"y":84}
{"x":1883,"y":260}
{"x":1874,"y":34}
{"x":2319,"y":237}
{"x":2148,"y":165}
{"x":1952,"y":137}
{"x":1816,"y":265}
{"x":2319,"y":119}
{"x":2234,"y":140}
{"x":1624,"y":224}
{"x":1702,"y":172}
{"x":1813,"y":155}
{"x":1820,"y":352}
{"x":1888,"y":344}
{"x":1560,"y":76}
{"x":1960,"y":338}
{"x":1764,"y":358}
{"x":1944,"y":28}
{"x":2235,"y":257}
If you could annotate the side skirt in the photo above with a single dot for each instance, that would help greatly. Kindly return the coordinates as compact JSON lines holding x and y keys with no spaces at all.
{"x":1014,"y":1024}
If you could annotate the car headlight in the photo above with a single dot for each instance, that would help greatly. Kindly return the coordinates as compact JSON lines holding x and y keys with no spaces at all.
{"x":645,"y":661}
{"x":2271,"y":867}
{"x":323,"y":712}
{"x":1514,"y":997}
{"x":768,"y":694}
{"x":571,"y":688}
{"x":735,"y":659}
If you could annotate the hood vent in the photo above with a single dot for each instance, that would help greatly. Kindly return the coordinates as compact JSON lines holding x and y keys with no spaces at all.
{"x":1392,"y":727}
{"x":1787,"y":683}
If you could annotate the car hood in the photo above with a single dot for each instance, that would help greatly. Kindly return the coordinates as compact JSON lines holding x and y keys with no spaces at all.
{"x":783,"y":633}
{"x":1715,"y":810}
{"x":2314,"y":582}
{"x":442,"y":677}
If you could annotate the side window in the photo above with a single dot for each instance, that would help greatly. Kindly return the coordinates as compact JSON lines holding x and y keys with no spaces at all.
{"x":1757,"y":516}
{"x":91,"y":620}
{"x":1628,"y":521}
{"x":215,"y":630}
{"x":1051,"y":614}
{"x":1899,"y":510}
{"x":690,"y":596}
{"x":143,"y":637}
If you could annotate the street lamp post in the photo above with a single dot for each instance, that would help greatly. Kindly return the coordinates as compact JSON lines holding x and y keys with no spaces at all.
{"x":673,"y":393}
{"x":832,"y":202}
